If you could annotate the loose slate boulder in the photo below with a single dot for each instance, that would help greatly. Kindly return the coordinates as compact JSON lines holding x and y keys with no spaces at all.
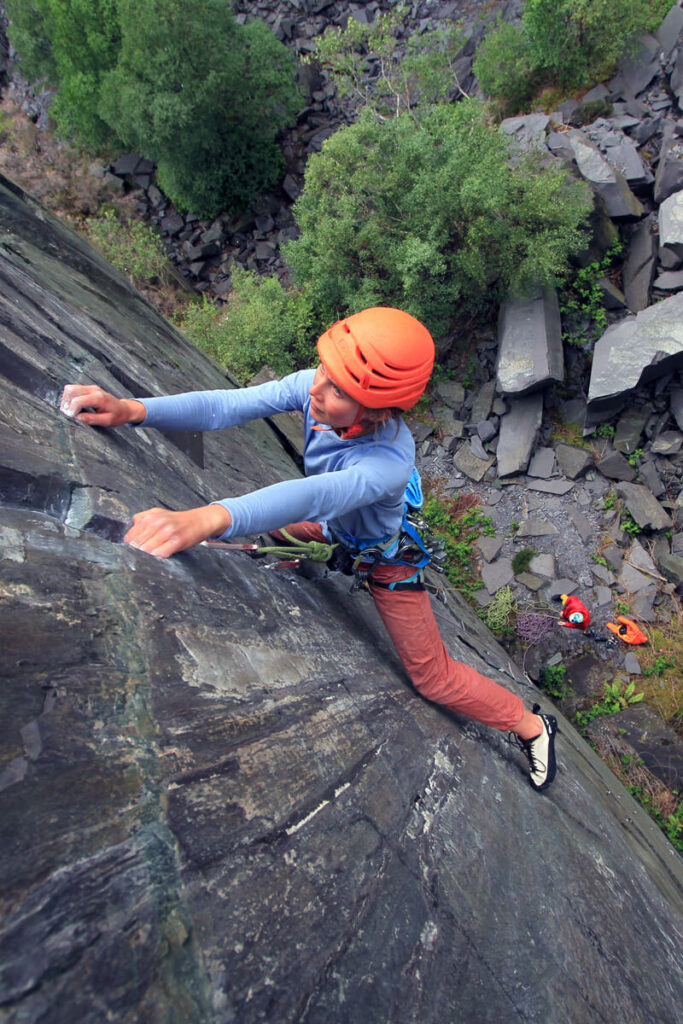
{"x":529,"y":343}
{"x":518,"y":430}
{"x":632,"y":352}
{"x":220,"y":799}
{"x":606,"y":181}
{"x":644,"y":507}
{"x":671,"y":231}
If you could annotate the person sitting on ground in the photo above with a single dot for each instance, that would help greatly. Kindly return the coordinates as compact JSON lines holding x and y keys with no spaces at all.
{"x":358,"y":458}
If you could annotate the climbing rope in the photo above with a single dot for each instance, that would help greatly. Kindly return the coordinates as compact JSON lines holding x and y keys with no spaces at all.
{"x":313,"y":550}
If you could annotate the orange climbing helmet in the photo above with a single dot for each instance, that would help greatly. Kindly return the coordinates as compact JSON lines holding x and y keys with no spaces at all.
{"x":381,"y":357}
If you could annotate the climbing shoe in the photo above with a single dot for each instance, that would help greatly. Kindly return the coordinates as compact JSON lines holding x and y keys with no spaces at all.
{"x":540,"y":751}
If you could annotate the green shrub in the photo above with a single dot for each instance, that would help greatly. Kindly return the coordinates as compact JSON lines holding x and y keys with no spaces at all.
{"x":522,"y":559}
{"x":565,"y":43}
{"x":429,"y":215}
{"x":203,"y":97}
{"x":132,"y":247}
{"x":72,"y":46}
{"x":263,"y":324}
{"x":504,"y":67}
{"x":418,"y":73}
{"x":179,"y":81}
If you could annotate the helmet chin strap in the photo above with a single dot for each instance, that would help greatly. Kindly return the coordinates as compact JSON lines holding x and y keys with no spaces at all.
{"x":348,"y":433}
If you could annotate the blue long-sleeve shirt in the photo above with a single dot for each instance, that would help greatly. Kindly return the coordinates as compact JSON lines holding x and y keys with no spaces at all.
{"x":356,"y":486}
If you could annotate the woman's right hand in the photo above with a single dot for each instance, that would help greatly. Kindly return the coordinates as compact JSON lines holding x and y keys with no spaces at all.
{"x":105,"y":409}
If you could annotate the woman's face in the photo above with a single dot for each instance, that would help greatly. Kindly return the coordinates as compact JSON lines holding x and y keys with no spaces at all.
{"x":329,"y":404}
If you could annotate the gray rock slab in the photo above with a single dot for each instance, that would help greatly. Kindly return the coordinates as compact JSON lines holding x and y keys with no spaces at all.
{"x":603,"y":596}
{"x":469,"y":464}
{"x":669,"y":177}
{"x":639,"y":68}
{"x":626,"y":158}
{"x":542,"y":463}
{"x":632,"y":580}
{"x":615,"y":466}
{"x":543,"y":565}
{"x":670,"y":217}
{"x":477,"y":448}
{"x":639,"y":266}
{"x":487,"y":430}
{"x":573,"y":462}
{"x":583,"y":526}
{"x":497,"y":574}
{"x":636,"y":350}
{"x":562,"y":586}
{"x":551,"y":486}
{"x":489,"y":547}
{"x":449,"y":422}
{"x":527,"y":132}
{"x":518,"y":430}
{"x":632,"y":665}
{"x":668,"y":443}
{"x":667,"y":35}
{"x":451,"y":393}
{"x":643,"y":606}
{"x":603,"y":574}
{"x":630,"y":427}
{"x":534,"y":526}
{"x":482,"y":402}
{"x":644,"y":507}
{"x":671,"y":566}
{"x":669,"y":281}
{"x":482,"y":597}
{"x":224,"y":801}
{"x":530,"y":581}
{"x":607,"y":182}
{"x":614,"y":555}
{"x":612,"y":296}
{"x":529,"y":343}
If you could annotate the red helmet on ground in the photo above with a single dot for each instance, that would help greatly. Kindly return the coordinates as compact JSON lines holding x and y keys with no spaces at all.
{"x":381,"y":357}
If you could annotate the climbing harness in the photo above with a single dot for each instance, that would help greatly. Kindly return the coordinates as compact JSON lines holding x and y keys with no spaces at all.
{"x":413,"y":545}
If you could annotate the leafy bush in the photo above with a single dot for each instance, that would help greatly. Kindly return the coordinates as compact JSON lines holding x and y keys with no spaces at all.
{"x":71,"y":46}
{"x":203,"y":97}
{"x":429,"y":215}
{"x":368,"y":63}
{"x":565,"y":43}
{"x":522,"y":559}
{"x":504,"y":67}
{"x":263,"y":324}
{"x":132,"y":247}
{"x":180,"y":81}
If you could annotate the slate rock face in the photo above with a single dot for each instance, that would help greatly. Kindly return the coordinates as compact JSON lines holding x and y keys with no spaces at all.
{"x":220,"y":800}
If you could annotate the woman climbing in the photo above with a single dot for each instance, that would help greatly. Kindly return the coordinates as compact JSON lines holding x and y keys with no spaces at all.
{"x":358,"y":458}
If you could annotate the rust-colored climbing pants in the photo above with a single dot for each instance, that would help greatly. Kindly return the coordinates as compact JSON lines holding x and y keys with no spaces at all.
{"x":409,"y":620}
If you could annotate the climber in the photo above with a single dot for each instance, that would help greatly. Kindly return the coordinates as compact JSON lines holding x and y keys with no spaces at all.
{"x":575,"y":615}
{"x":358,"y":457}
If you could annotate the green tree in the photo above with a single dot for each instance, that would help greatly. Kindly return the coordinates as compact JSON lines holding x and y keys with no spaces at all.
{"x":203,"y":97}
{"x":429,"y":215}
{"x":262,"y":323}
{"x":367,"y":63}
{"x":71,"y":46}
{"x":565,"y":43}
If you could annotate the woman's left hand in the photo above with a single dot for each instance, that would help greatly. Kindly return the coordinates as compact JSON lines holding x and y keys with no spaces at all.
{"x":161,"y":532}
